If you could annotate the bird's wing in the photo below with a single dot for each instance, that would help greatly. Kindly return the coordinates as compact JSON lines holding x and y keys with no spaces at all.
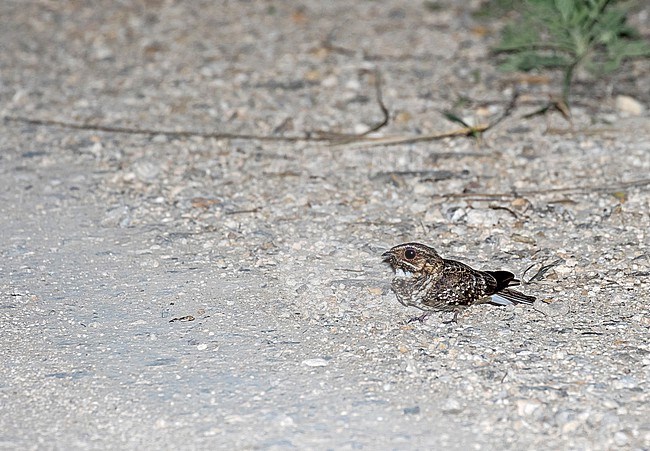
{"x":486,"y":282}
{"x":459,"y":285}
{"x":453,"y":266}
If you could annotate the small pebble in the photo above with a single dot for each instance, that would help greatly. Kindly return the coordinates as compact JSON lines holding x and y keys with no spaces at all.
{"x":315,"y":362}
{"x":412,"y":410}
{"x":630,"y":105}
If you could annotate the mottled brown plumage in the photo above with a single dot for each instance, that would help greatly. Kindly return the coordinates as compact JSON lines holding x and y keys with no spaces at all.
{"x":425,"y":280}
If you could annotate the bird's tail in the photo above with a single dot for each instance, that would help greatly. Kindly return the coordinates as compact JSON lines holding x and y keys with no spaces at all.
{"x":504,"y":279}
{"x":511,"y":297}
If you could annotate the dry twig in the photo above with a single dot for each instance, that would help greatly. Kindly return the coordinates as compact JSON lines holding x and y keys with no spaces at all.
{"x":344,"y":138}
{"x":319,"y":136}
{"x":469,"y":131}
{"x":539,"y":275}
{"x":154,"y":132}
{"x":566,"y":190}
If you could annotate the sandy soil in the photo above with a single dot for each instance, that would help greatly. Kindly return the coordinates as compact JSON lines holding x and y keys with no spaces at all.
{"x":164,"y":291}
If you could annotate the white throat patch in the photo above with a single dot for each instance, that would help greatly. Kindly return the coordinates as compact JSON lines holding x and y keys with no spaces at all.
{"x":399,"y":272}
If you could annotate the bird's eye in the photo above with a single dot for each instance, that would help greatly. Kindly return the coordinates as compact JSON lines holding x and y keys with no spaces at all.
{"x":410,"y":254}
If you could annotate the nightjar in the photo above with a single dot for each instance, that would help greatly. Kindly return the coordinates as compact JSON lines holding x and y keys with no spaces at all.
{"x":429,"y":282}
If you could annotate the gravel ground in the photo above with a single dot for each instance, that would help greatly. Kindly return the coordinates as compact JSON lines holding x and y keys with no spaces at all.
{"x":166,"y":291}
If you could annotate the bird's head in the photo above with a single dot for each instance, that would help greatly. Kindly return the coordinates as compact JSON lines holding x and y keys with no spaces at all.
{"x":412,"y":260}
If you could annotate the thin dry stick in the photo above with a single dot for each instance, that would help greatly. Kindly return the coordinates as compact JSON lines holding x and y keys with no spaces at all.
{"x":153,"y":132}
{"x":508,"y":110}
{"x":539,"y":275}
{"x":315,"y":136}
{"x":565,"y":190}
{"x":380,"y":101}
{"x":319,"y":136}
{"x":371,"y":142}
{"x":342,"y":138}
{"x":465,"y":131}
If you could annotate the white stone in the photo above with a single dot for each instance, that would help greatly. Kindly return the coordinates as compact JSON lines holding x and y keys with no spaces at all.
{"x":315,"y":362}
{"x":621,"y":438}
{"x":526,"y":407}
{"x":481,"y":218}
{"x":630,"y":105}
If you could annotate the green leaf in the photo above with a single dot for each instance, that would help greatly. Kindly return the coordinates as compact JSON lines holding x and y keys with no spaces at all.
{"x":568,"y":34}
{"x":451,"y":116}
{"x":566,"y":9}
{"x":528,"y":61}
{"x":630,"y":49}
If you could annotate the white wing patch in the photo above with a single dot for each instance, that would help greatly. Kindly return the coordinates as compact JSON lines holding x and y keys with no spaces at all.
{"x":501,"y":300}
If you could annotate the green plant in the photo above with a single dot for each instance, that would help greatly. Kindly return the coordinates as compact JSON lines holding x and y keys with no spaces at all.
{"x":566,"y":34}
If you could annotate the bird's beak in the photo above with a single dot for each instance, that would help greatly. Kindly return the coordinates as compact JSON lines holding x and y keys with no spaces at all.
{"x":387,"y":256}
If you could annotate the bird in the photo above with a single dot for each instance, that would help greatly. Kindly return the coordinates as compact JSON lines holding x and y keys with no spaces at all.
{"x":425,"y":280}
